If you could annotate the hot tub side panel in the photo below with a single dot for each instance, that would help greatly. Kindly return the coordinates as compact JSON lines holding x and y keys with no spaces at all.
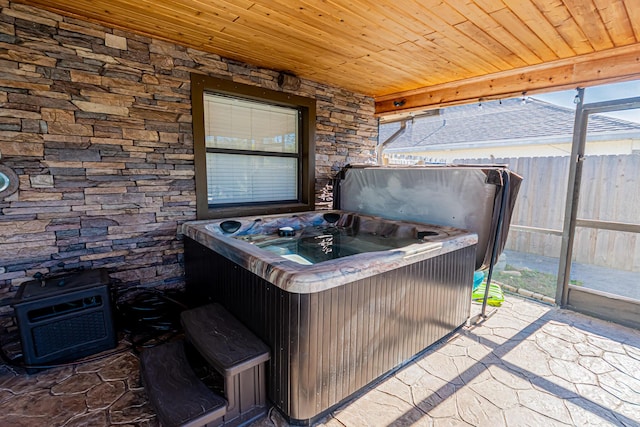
{"x":328,"y":345}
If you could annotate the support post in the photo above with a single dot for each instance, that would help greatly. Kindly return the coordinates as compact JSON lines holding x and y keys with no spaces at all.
{"x":571,"y":206}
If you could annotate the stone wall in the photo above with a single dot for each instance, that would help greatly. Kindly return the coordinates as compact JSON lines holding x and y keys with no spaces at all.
{"x":96,"y":122}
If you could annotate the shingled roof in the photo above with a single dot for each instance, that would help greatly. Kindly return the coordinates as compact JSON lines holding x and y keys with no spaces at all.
{"x":498,"y":121}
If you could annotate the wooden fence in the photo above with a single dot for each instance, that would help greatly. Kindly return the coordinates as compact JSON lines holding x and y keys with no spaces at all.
{"x":610,"y":191}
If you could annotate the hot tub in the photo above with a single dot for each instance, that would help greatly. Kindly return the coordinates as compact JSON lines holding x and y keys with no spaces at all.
{"x":335,"y":320}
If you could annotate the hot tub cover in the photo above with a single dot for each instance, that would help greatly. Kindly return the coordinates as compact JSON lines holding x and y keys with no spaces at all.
{"x":462,"y":196}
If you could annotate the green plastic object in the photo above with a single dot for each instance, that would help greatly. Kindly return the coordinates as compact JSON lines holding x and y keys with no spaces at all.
{"x":496,"y":296}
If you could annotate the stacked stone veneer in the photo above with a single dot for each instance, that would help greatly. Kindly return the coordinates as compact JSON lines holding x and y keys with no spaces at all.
{"x":96,"y":122}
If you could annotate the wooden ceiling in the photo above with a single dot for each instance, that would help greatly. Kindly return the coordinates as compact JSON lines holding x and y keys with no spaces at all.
{"x":409,"y":55}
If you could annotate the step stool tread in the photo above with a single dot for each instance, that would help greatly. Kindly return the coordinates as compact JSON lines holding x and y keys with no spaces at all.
{"x":176,"y":393}
{"x":223,"y":340}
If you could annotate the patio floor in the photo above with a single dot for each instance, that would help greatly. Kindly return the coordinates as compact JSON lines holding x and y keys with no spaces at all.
{"x":527,"y":365}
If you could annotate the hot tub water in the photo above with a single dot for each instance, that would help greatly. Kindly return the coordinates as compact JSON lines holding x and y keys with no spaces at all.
{"x":314,"y":244}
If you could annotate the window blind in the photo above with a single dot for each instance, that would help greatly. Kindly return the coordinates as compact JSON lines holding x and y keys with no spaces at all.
{"x":240,"y":124}
{"x":233,"y":178}
{"x":270,"y":172}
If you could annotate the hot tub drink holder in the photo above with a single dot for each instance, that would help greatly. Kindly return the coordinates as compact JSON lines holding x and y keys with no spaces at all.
{"x":177,"y":394}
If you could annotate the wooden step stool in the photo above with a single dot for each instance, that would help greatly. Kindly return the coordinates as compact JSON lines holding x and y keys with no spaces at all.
{"x":178,"y":395}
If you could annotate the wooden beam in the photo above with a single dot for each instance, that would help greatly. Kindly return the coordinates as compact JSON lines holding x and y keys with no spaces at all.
{"x":608,"y":225}
{"x":613,"y":65}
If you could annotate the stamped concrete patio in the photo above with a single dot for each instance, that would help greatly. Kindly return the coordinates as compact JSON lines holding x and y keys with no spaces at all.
{"x":527,"y":365}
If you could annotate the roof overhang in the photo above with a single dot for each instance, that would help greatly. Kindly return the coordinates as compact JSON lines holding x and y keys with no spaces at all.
{"x":614,"y":65}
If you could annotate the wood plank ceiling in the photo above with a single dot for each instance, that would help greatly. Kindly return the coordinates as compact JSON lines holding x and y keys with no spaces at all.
{"x":409,"y":55}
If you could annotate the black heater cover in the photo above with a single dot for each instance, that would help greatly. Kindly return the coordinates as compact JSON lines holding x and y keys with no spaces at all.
{"x":64,"y":318}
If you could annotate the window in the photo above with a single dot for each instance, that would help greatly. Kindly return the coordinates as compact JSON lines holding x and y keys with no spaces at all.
{"x":253,"y":149}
